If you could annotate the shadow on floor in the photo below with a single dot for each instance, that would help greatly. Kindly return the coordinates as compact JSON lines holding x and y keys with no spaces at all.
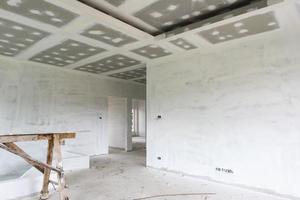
{"x":138,"y":143}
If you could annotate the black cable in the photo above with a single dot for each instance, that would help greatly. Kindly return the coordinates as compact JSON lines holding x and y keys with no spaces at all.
{"x":173,"y":195}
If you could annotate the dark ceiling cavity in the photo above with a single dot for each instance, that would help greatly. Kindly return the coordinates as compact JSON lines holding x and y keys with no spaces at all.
{"x":187,"y":12}
{"x":116,"y":2}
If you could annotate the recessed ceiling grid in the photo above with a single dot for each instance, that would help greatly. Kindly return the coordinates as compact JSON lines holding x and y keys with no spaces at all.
{"x":15,"y":37}
{"x":226,"y":15}
{"x":39,"y":10}
{"x":132,"y":74}
{"x":246,"y":27}
{"x":152,"y":51}
{"x":183,"y":44}
{"x":66,"y":53}
{"x":163,"y":14}
{"x":79,"y":45}
{"x":110,"y":63}
{"x":108,"y":35}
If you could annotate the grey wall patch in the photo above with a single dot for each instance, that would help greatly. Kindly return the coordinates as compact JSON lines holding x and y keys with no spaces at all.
{"x":152,"y":51}
{"x":127,"y":75}
{"x":143,"y":80}
{"x":15,"y":37}
{"x":246,"y":27}
{"x":165,"y":13}
{"x":298,"y":7}
{"x":39,"y":10}
{"x":115,"y":2}
{"x":110,"y":63}
{"x":184,"y":44}
{"x":108,"y":35}
{"x":66,"y":53}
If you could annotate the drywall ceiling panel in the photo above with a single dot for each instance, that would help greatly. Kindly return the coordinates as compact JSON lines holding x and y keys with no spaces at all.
{"x":90,"y":69}
{"x":124,"y":10}
{"x":66,"y":53}
{"x":108,"y":35}
{"x":226,"y":15}
{"x":246,"y":27}
{"x":15,"y":37}
{"x":110,"y":63}
{"x":157,"y":16}
{"x":127,"y":75}
{"x":152,"y":51}
{"x":59,"y":50}
{"x":165,"y":13}
{"x":39,"y":10}
{"x":143,"y":80}
{"x":183,"y":44}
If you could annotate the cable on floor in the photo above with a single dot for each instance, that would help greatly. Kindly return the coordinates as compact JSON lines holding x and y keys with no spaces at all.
{"x":173,"y":195}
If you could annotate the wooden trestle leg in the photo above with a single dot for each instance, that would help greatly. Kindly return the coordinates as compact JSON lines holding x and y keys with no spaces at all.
{"x":63,"y":192}
{"x":47,"y":172}
{"x":53,"y":152}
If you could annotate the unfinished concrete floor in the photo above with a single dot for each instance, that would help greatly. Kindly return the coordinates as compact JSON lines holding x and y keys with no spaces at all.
{"x":123,"y":176}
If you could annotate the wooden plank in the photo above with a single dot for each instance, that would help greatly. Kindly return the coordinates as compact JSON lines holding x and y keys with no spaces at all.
{"x":46,"y":180}
{"x":63,"y":193}
{"x":22,"y":138}
{"x":33,"y":137}
{"x":32,"y":161}
{"x":18,"y":149}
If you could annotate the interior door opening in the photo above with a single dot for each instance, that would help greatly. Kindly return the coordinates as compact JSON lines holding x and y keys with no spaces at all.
{"x":138,"y":128}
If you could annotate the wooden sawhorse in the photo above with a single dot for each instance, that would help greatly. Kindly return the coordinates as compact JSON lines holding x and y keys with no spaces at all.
{"x":7,"y":142}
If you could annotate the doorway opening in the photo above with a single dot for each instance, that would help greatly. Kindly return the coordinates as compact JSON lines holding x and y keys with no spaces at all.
{"x":117,"y":122}
{"x":126,"y":124}
{"x":138,"y":128}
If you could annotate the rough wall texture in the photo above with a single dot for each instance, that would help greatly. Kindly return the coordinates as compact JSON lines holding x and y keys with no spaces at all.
{"x":230,"y":113}
{"x":37,"y":98}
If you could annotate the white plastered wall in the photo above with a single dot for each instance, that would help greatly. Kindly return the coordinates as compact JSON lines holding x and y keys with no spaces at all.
{"x":117,"y":119}
{"x":38,"y":98}
{"x":142,"y":118}
{"x":231,"y":108}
